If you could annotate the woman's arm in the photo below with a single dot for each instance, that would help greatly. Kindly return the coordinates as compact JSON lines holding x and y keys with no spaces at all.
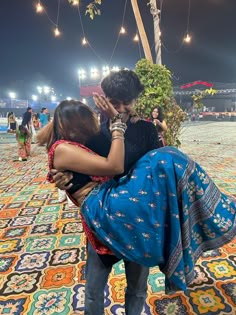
{"x":73,"y":158}
{"x":163,"y":125}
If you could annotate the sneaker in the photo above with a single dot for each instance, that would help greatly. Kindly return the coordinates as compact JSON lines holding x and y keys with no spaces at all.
{"x":70,"y":203}
{"x":61,"y":195}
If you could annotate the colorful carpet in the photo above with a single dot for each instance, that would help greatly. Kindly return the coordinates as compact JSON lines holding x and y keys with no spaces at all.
{"x":42,"y":244}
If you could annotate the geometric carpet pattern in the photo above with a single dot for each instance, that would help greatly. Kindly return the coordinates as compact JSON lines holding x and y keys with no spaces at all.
{"x":42,"y":244}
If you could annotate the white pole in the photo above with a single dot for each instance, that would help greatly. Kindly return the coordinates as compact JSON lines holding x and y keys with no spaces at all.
{"x":157,"y":32}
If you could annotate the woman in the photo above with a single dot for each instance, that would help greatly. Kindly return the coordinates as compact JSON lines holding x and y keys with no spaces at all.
{"x":160,"y":124}
{"x":165,"y":212}
{"x":12,"y":124}
{"x":24,"y":143}
{"x":35,"y":120}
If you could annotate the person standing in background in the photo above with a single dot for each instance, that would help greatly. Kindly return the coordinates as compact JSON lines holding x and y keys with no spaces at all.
{"x":23,"y":139}
{"x":43,"y":117}
{"x":12,"y":123}
{"x":27,"y":118}
{"x":160,"y":124}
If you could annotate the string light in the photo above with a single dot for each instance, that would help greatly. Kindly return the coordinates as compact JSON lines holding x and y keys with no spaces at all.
{"x":122,"y":30}
{"x":187,"y":38}
{"x":74,"y":2}
{"x":39,"y":7}
{"x":57,"y":32}
{"x":136,"y":38}
{"x":84,"y":41}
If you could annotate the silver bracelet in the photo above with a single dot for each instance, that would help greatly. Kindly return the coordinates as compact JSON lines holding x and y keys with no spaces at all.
{"x":117,"y":137}
{"x":118,"y":129}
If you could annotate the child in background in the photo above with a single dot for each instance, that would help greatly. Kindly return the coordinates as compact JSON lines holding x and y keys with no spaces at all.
{"x":24,"y":143}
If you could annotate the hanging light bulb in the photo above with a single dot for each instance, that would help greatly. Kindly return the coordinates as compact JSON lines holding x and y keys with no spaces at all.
{"x":57,"y":32}
{"x":136,"y":38}
{"x":122,"y":30}
{"x":84,"y":41}
{"x":74,"y":2}
{"x":187,"y":38}
{"x":39,"y":7}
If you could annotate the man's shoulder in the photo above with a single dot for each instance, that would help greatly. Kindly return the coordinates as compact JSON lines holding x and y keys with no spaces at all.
{"x":143,"y":124}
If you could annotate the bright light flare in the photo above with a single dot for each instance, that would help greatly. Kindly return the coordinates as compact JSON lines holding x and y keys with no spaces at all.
{"x":136,"y":38}
{"x":94,"y":73}
{"x":82,"y":74}
{"x":74,"y":2}
{"x":105,"y":70}
{"x":122,"y":30}
{"x":115,"y":68}
{"x":12,"y":95}
{"x":57,"y":32}
{"x":39,"y":8}
{"x":84,"y":41}
{"x":188,"y":39}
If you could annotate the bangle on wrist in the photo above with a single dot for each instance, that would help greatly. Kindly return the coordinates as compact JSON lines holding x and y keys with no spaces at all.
{"x":118,"y":137}
{"x":117,"y":133}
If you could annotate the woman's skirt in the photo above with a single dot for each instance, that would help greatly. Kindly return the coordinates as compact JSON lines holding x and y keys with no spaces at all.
{"x":165,"y":212}
{"x":24,"y":150}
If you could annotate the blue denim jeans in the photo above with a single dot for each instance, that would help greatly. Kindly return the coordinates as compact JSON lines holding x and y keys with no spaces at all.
{"x":96,"y":278}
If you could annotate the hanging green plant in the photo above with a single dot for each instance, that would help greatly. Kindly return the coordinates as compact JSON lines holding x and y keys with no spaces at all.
{"x":159,"y":92}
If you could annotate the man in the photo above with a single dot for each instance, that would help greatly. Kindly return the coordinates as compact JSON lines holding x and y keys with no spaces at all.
{"x":43,"y":117}
{"x":27,"y":116}
{"x":140,"y":137}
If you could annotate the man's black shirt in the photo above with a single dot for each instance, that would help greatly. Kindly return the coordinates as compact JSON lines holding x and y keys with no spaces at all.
{"x":140,"y":137}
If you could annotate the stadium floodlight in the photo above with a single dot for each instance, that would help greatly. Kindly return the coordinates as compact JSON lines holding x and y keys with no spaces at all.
{"x":46,"y":89}
{"x":115,"y":68}
{"x":12,"y":95}
{"x":39,"y":89}
{"x":94,"y":73}
{"x":82,"y":74}
{"x":105,"y":70}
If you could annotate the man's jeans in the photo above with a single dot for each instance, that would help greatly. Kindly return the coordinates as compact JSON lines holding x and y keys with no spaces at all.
{"x":96,"y":278}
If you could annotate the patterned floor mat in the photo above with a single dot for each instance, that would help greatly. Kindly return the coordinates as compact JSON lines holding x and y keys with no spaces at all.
{"x":42,"y":245}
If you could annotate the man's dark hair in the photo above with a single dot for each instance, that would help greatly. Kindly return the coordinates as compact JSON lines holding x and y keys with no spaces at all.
{"x":43,"y":109}
{"x":122,"y":86}
{"x":28,"y":109}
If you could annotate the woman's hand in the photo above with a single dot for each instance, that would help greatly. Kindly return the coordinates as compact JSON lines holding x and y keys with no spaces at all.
{"x":156,"y":122}
{"x":104,"y":105}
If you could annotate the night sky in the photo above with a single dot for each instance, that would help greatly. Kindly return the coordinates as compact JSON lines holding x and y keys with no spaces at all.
{"x":30,"y":54}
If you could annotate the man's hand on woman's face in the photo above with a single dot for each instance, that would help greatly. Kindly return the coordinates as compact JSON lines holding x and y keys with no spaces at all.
{"x":61,"y":179}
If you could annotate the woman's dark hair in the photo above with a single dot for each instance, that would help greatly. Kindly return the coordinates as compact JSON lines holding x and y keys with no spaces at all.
{"x":160,"y":113}
{"x":72,"y":121}
{"x":122,"y":86}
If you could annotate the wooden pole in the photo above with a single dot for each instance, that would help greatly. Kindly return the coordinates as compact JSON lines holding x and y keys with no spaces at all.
{"x":141,"y":30}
